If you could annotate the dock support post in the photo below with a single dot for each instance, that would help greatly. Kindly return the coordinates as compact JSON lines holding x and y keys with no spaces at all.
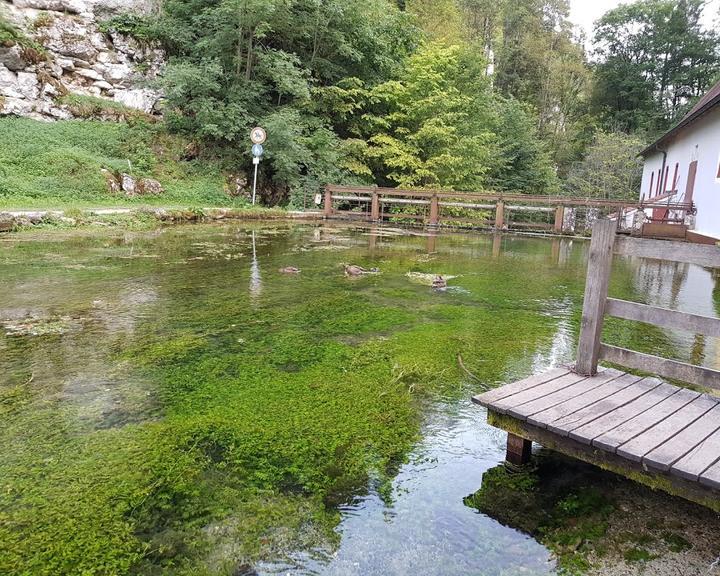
{"x":434,"y":210}
{"x":375,"y":206}
{"x":596,"y":291}
{"x":328,"y":203}
{"x":518,"y":451}
{"x":559,"y":216}
{"x":499,"y":215}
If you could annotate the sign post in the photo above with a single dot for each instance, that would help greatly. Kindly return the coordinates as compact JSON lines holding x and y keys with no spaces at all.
{"x":258,"y":136}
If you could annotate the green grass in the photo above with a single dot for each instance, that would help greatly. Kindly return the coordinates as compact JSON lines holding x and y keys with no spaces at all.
{"x":58,"y":165}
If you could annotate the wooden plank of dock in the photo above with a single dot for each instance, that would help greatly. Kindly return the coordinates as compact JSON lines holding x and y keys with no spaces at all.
{"x":643,"y":421}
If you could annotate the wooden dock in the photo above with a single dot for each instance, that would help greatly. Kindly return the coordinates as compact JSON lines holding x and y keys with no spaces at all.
{"x":655,"y":432}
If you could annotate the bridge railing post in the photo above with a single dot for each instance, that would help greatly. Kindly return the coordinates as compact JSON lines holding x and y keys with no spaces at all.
{"x":499,"y":215}
{"x":596,"y":291}
{"x":559,"y":217}
{"x":434,"y":210}
{"x":375,"y":206}
{"x":328,"y":203}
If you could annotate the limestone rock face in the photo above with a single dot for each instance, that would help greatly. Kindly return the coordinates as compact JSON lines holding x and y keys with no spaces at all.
{"x":81,"y":59}
{"x":12,"y":58}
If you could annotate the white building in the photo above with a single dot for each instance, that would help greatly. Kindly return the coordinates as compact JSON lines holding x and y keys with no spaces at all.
{"x":684,"y":166}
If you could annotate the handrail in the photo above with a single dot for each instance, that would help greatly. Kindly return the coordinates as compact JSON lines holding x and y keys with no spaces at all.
{"x":597,"y":305}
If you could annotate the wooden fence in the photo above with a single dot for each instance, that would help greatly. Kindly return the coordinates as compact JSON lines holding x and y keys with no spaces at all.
{"x":555,"y":214}
{"x":597,"y":305}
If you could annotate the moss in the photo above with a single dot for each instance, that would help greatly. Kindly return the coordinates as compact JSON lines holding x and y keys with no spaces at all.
{"x":635,"y":555}
{"x":555,"y":500}
{"x":92,"y":107}
{"x":675,"y":542}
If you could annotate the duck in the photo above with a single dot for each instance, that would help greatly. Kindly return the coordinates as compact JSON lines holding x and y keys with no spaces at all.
{"x":439,"y":283}
{"x":353,"y":270}
{"x":290,"y":270}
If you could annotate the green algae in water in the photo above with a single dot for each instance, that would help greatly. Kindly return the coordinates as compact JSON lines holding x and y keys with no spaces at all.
{"x":211,"y":413}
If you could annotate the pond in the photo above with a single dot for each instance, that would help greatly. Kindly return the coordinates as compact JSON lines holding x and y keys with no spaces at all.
{"x":173,"y":403}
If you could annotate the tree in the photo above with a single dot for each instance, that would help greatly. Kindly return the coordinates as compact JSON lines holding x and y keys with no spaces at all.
{"x":238,"y":63}
{"x":653,"y":58}
{"x":524,"y":163}
{"x":431,"y":128}
{"x":611,"y":169}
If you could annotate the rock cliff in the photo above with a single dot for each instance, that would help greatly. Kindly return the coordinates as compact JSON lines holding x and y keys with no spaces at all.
{"x":54,"y":48}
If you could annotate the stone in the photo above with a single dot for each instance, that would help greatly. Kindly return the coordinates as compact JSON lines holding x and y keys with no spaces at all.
{"x":28,"y":85}
{"x":89,"y":73}
{"x":65,"y":63}
{"x":70,"y":37}
{"x":104,"y":85}
{"x":16,"y":107}
{"x":12,"y":58}
{"x":149,"y":186}
{"x":118,"y":72}
{"x":66,"y":6}
{"x":127,"y":183}
{"x":9,"y":86}
{"x":140,"y":98}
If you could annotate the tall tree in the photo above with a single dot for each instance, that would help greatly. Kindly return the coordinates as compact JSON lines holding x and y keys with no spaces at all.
{"x":653,"y":58}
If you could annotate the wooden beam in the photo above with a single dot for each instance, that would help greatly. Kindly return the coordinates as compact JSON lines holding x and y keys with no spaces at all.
{"x":663,"y":317}
{"x":519,"y":450}
{"x":596,"y":289}
{"x":699,"y":375}
{"x":675,"y":485}
{"x":434,"y":211}
{"x":702,"y":255}
{"x":375,"y":207}
{"x":499,"y":215}
{"x":559,"y":216}
{"x":328,"y":202}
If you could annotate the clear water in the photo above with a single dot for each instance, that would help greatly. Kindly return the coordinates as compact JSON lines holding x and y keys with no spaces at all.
{"x":83,"y":313}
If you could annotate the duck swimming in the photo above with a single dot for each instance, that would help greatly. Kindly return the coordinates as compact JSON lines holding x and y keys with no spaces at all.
{"x":290,"y":270}
{"x":439,"y":283}
{"x":352,"y":270}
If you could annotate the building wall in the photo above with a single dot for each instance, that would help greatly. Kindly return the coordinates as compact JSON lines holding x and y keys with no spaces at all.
{"x":701,"y":142}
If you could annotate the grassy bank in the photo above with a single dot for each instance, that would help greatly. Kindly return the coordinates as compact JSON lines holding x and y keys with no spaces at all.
{"x":58,"y":165}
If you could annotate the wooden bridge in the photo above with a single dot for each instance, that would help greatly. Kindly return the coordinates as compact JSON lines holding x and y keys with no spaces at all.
{"x":555,"y":214}
{"x":662,"y":434}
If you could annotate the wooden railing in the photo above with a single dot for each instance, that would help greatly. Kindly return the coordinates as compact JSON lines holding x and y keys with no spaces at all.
{"x":597,"y":305}
{"x":486,"y":210}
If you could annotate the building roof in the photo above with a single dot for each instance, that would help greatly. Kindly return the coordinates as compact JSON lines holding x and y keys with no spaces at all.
{"x":706,"y":103}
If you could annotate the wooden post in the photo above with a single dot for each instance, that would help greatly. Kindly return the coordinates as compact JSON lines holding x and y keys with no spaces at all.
{"x":434,"y":210}
{"x":559,"y":215}
{"x":499,"y":215}
{"x":596,"y":290}
{"x":518,"y":450}
{"x":375,"y":206}
{"x":328,"y":203}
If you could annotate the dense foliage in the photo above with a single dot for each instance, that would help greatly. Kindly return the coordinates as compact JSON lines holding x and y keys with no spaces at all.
{"x":456,"y":94}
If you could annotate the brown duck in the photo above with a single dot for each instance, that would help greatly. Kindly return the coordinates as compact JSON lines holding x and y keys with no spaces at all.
{"x":352,"y":270}
{"x":290,"y":270}
{"x":439,"y":283}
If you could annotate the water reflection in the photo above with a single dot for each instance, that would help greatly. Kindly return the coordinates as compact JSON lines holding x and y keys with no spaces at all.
{"x":428,"y":529}
{"x":256,"y":284}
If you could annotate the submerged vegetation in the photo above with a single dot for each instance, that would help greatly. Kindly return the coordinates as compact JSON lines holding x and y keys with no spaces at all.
{"x":169,"y":409}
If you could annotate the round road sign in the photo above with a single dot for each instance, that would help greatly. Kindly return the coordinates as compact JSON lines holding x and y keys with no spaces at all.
{"x":258,"y":135}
